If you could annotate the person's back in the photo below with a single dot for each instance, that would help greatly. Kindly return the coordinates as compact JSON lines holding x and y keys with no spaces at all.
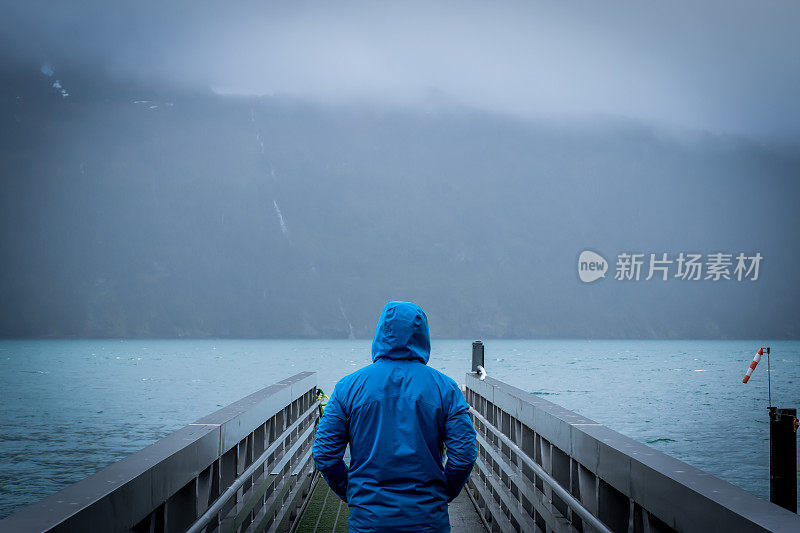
{"x":397,"y":414}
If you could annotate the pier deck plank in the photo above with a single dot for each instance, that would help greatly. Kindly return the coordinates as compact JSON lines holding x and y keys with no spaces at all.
{"x":464,"y":518}
{"x":326,"y":513}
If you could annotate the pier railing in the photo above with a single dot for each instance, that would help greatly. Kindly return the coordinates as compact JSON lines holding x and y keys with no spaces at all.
{"x":544,"y":468}
{"x":246,"y":467}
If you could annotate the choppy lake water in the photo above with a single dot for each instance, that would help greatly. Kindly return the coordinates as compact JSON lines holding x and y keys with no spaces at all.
{"x":71,"y":407}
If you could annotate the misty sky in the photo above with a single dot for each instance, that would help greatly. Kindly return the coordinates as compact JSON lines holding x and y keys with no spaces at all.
{"x":191,"y":169}
{"x":721,"y":66}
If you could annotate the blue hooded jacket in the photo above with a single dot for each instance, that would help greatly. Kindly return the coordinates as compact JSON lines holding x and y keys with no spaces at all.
{"x":396,"y":414}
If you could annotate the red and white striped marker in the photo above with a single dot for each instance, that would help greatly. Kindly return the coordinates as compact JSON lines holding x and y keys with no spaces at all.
{"x":753,"y":363}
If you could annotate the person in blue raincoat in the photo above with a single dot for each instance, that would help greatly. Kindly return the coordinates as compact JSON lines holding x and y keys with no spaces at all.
{"x":397,"y":415}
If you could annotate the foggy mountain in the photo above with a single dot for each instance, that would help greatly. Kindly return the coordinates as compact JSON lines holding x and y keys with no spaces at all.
{"x":146,"y":211}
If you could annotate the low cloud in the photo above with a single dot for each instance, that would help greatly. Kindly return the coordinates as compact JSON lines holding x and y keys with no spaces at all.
{"x":718,"y":66}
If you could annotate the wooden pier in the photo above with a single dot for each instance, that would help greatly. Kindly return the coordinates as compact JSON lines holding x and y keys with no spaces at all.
{"x":540,"y":468}
{"x":325,"y":512}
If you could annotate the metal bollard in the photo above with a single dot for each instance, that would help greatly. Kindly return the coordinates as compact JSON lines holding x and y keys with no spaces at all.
{"x":477,"y":356}
{"x":783,"y":458}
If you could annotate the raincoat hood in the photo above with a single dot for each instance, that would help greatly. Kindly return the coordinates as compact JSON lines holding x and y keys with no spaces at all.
{"x":402,"y":333}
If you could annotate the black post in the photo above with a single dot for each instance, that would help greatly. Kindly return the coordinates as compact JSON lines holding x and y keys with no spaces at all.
{"x":477,"y":355}
{"x":783,"y":458}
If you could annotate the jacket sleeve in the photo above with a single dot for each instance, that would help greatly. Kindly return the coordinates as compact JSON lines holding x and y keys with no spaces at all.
{"x":330,"y":444}
{"x":459,"y":437}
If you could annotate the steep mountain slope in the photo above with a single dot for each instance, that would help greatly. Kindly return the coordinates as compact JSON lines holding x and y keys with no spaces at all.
{"x":130,"y":211}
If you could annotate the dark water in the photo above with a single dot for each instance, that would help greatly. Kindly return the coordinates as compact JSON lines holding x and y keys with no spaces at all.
{"x":72,"y":407}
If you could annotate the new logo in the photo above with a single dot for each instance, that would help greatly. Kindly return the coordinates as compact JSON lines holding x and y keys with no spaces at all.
{"x":591,"y":266}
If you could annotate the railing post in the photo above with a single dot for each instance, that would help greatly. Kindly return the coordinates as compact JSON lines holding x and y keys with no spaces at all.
{"x":477,"y":356}
{"x":783,"y":458}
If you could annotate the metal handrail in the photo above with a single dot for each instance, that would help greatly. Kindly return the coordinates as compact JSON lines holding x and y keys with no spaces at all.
{"x":302,"y":463}
{"x":513,"y":505}
{"x":528,"y":487}
{"x":278,"y":467}
{"x":562,"y":493}
{"x":216,"y":507}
